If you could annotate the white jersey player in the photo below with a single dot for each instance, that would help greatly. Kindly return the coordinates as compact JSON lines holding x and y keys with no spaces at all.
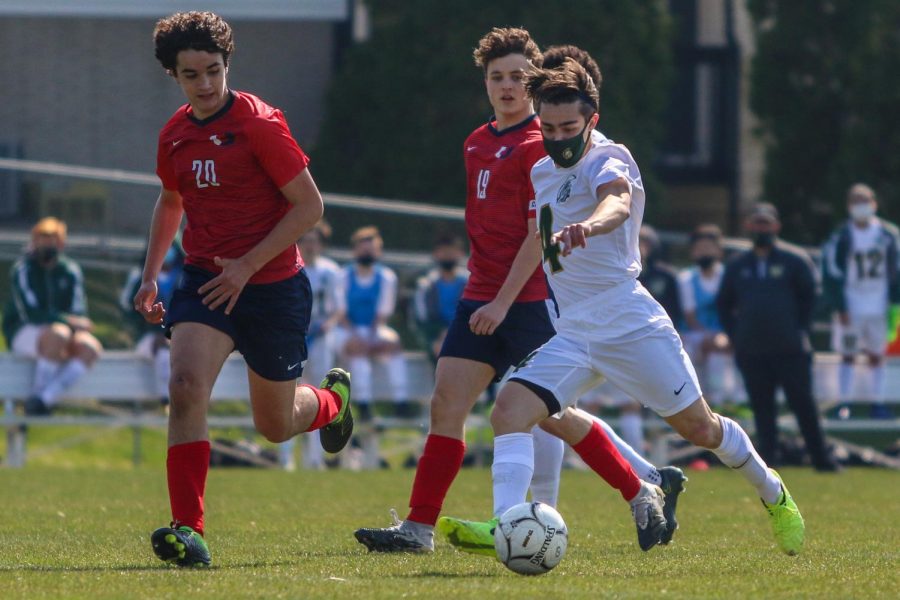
{"x":861,"y":279}
{"x":590,"y":203}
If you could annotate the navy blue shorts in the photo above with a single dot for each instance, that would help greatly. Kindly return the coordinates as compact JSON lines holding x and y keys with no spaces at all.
{"x":527,"y":327}
{"x":268,"y":323}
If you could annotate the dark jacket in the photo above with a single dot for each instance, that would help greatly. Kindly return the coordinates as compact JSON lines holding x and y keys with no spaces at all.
{"x":837,"y":254}
{"x":661,"y":281}
{"x":768,"y":312}
{"x":41,"y":296}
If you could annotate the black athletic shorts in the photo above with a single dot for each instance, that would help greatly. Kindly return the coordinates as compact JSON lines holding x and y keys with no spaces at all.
{"x":526,"y":328}
{"x":268,"y":324}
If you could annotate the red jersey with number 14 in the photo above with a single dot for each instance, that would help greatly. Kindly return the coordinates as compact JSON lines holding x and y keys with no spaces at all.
{"x":228,"y":169}
{"x":499,"y":202}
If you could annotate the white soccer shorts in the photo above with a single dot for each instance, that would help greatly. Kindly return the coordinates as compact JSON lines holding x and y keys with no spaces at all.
{"x":865,"y":333}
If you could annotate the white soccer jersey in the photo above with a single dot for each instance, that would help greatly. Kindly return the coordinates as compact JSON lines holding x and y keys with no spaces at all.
{"x":866,"y":287}
{"x":568,"y":195}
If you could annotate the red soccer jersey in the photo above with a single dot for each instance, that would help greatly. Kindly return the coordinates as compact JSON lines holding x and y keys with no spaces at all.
{"x":228,"y":169}
{"x":499,"y":202}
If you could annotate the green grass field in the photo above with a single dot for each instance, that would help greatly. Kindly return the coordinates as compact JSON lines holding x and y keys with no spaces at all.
{"x":80,"y":532}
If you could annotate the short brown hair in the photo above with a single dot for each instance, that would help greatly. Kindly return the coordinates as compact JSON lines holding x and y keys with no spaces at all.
{"x":365,"y":233}
{"x":568,"y":83}
{"x":203,"y":31}
{"x":555,"y":55}
{"x":706,"y":231}
{"x":502,"y":41}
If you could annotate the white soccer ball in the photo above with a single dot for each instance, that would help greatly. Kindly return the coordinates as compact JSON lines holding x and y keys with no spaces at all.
{"x":531,"y":538}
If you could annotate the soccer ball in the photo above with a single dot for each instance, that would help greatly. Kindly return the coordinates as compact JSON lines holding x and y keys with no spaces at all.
{"x":531,"y":538}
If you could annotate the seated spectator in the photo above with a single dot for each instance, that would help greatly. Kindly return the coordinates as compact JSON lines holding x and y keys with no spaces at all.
{"x":324,"y":278}
{"x":368,"y":300}
{"x":704,"y":340}
{"x":151,"y":341}
{"x":46,"y":318}
{"x":438,"y":292}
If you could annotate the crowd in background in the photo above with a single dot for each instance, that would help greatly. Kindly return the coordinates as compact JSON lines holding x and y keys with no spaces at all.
{"x":745,"y":322}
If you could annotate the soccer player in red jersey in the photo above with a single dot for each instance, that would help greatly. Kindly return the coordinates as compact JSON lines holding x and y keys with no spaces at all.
{"x":228,"y":162}
{"x":503,"y":314}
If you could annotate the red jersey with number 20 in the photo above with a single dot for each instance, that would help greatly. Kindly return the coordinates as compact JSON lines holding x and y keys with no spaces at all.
{"x":499,"y":202}
{"x":228,"y":169}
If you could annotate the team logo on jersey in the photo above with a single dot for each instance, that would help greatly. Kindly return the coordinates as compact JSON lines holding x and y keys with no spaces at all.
{"x":776,"y":271}
{"x":226,"y":140}
{"x":565,"y":190}
{"x":504,"y":151}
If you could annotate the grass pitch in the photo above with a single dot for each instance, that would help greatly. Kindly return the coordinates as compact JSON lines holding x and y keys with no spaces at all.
{"x":84,"y":533}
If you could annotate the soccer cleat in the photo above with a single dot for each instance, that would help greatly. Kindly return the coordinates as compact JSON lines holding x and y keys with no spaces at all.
{"x":394,"y":539}
{"x":672,"y":485}
{"x":336,"y":434}
{"x":647,"y":510}
{"x":182,"y":546}
{"x":35,"y":407}
{"x":787,"y":522}
{"x":474,"y":537}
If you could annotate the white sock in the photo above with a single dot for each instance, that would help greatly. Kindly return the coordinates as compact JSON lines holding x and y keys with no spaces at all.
{"x":845,"y":381}
{"x":632,"y":426}
{"x":64,"y":379}
{"x":738,"y":453}
{"x":512,"y":469}
{"x":644,"y":469}
{"x":548,"y":457}
{"x":877,"y":380}
{"x":361,"y":368}
{"x":286,"y":453}
{"x":396,"y":365}
{"x":161,"y":371}
{"x":313,"y":454}
{"x":44,"y":370}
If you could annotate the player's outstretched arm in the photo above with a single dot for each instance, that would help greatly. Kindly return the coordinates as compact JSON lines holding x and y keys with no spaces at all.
{"x":306,"y":211}
{"x":166,"y":218}
{"x":613,"y":209}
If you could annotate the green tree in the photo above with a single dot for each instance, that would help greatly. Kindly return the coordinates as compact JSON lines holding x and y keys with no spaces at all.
{"x":825,"y":88}
{"x":403,"y":102}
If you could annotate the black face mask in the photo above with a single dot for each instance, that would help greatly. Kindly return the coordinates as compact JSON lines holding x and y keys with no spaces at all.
{"x":763,"y":239}
{"x":447,"y":265}
{"x":705,"y":262}
{"x":46,"y":255}
{"x":365,"y":260}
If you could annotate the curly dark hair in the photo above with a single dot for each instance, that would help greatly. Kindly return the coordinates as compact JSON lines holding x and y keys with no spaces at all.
{"x":567,"y":83}
{"x":555,"y":55}
{"x":204,"y":31}
{"x":502,"y":41}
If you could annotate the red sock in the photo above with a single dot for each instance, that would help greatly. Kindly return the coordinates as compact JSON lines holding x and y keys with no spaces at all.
{"x":186,"y":467}
{"x":437,"y":469}
{"x":604,"y":458}
{"x":329,"y":406}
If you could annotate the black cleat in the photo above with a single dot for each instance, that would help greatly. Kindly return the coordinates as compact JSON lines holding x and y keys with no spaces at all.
{"x":673,"y":480}
{"x":394,"y":539}
{"x":35,"y":407}
{"x":182,"y":546}
{"x":336,"y":434}
{"x":647,"y":510}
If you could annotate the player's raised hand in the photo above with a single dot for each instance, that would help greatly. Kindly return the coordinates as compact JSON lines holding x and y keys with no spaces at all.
{"x":227,"y":285}
{"x":145,"y":303}
{"x":571,"y":237}
{"x":486,"y":319}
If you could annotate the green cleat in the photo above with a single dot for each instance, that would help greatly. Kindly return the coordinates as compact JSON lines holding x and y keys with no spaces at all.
{"x":672,"y":485}
{"x":336,"y":434}
{"x":182,"y":546}
{"x":787,"y":522}
{"x":474,"y":537}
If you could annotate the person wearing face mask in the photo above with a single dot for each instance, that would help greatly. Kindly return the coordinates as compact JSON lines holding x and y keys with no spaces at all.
{"x":765,"y":304}
{"x":152,"y":343}
{"x":860,"y":282}
{"x":704,"y":339}
{"x":366,"y":304}
{"x":438,"y":292}
{"x":46,"y":318}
